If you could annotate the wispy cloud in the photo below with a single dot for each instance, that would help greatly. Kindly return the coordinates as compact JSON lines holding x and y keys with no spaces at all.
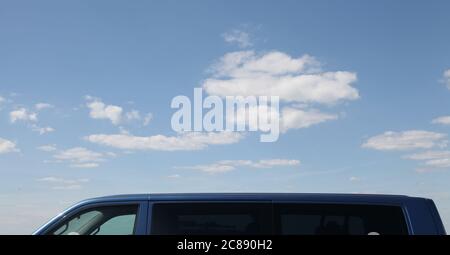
{"x":406,"y":140}
{"x":354,"y":179}
{"x":431,"y":159}
{"x":57,"y":183}
{"x":236,"y":36}
{"x":444,"y":120}
{"x":43,"y":106}
{"x":85,"y":165}
{"x":133,"y":115}
{"x":147,"y":119}
{"x":230,"y":165}
{"x":182,"y":142}
{"x":47,"y":148}
{"x":446,"y":78}
{"x":42,"y":130}
{"x":80,"y":157}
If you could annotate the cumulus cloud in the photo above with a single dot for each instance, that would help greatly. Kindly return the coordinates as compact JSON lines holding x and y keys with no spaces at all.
{"x":22,"y":114}
{"x":99,"y":110}
{"x":181,"y":142}
{"x":290,"y":117}
{"x":236,"y":36}
{"x":277,"y":74}
{"x":114,"y":113}
{"x":444,"y":120}
{"x":80,"y":157}
{"x":62,"y":183}
{"x":230,"y":165}
{"x":446,"y":78}
{"x":406,"y":140}
{"x":7,"y":146}
{"x":296,"y":80}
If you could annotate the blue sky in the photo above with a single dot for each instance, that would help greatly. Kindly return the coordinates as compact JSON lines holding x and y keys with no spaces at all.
{"x":79,"y":80}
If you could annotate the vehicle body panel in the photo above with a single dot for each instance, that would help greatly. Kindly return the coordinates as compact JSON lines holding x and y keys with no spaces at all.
{"x":421,"y":214}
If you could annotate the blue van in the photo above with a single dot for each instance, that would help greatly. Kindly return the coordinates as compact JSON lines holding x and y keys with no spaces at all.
{"x":249,"y":214}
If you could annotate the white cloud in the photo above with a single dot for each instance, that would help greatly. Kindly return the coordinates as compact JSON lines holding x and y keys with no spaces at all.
{"x":433,"y":159}
{"x":174,"y":176}
{"x":113,"y":113}
{"x":444,"y":120}
{"x":99,"y":110}
{"x":133,"y":115}
{"x":407,"y":140}
{"x":354,"y":179}
{"x":299,"y":82}
{"x":277,"y":74}
{"x":230,"y":165}
{"x":79,"y":154}
{"x":181,"y":142}
{"x":293,"y":118}
{"x":7,"y":146}
{"x":2,"y":100}
{"x":241,"y":38}
{"x":47,"y":148}
{"x":42,"y":106}
{"x":42,"y":130}
{"x":427,"y":155}
{"x":446,"y":78}
{"x":63,"y":184}
{"x":80,"y":157}
{"x":85,"y":165}
{"x":22,"y":114}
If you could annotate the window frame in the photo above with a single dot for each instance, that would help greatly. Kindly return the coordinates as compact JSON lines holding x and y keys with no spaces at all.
{"x":140,"y":227}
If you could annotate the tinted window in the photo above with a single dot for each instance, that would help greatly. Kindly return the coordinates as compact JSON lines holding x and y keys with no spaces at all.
{"x":211,"y":219}
{"x":314,"y":219}
{"x":110,"y":220}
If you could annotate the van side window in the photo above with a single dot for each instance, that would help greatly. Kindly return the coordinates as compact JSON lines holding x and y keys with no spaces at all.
{"x":329,"y":219}
{"x":108,"y":220}
{"x":211,"y":219}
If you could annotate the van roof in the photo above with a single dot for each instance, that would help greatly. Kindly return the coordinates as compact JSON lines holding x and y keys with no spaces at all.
{"x":312,"y":197}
